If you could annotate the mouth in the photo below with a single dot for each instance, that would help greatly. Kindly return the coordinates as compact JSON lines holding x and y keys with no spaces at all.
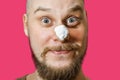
{"x":61,"y":52}
{"x":59,"y":58}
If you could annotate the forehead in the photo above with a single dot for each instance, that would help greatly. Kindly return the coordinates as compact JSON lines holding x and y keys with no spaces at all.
{"x":55,"y":5}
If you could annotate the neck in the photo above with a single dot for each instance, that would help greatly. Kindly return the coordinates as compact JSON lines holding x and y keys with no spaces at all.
{"x":80,"y":76}
{"x":35,"y":76}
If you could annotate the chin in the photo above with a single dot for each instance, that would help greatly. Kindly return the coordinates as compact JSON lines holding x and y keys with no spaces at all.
{"x":62,"y":68}
{"x":59,"y":64}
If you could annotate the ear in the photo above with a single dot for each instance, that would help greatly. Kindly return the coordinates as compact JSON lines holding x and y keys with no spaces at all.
{"x":86,"y":16}
{"x":25,"y":23}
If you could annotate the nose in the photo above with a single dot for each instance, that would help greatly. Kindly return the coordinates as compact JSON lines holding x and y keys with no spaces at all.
{"x":62,"y":33}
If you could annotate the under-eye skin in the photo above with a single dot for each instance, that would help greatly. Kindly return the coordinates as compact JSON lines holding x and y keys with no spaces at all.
{"x":45,"y":21}
{"x":72,"y":21}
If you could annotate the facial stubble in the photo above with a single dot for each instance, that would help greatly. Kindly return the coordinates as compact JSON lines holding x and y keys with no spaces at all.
{"x":67,"y":73}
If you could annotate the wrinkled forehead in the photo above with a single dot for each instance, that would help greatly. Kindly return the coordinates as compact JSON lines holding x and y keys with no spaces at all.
{"x":33,"y":5}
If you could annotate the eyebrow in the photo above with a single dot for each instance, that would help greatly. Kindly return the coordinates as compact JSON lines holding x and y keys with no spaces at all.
{"x":72,"y":9}
{"x":41,"y":9}
{"x":76,"y":8}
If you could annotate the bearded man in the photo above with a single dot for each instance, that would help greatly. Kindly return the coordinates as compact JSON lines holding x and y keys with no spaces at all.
{"x":57,"y":33}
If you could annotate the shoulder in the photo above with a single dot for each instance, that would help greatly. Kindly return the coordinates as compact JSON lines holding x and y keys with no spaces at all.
{"x":87,"y":78}
{"x":22,"y":78}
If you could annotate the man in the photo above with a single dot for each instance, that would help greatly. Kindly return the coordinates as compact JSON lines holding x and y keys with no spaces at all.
{"x":57,"y":32}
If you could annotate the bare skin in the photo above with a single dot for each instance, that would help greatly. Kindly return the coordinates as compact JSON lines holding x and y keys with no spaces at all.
{"x":39,"y":23}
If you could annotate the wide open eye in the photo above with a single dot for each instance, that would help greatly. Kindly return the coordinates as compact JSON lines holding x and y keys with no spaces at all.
{"x":46,"y":20}
{"x":72,"y":21}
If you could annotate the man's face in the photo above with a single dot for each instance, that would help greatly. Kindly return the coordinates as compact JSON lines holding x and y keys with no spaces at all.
{"x":42,"y":18}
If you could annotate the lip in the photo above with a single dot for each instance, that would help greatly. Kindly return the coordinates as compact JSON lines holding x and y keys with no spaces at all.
{"x":61,"y":52}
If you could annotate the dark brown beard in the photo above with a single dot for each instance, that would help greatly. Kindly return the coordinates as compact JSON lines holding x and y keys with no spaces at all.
{"x":68,"y":73}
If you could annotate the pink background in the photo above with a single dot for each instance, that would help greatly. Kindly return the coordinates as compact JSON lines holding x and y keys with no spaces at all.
{"x":102,"y":61}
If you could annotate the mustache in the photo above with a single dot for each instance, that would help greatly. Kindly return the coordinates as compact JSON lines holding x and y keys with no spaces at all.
{"x":63,"y":47}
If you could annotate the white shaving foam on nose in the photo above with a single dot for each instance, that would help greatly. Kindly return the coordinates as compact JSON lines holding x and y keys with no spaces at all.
{"x":61,"y":32}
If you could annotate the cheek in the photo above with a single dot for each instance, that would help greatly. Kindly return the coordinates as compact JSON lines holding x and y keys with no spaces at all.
{"x":38,"y":39}
{"x":77,"y":34}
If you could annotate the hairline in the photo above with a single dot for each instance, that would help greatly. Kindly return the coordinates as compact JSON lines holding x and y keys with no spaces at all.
{"x":28,"y":3}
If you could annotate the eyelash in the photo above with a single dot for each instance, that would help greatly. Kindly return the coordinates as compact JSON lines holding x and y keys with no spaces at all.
{"x":76,"y":21}
{"x":73,"y":24}
{"x":47,"y":18}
